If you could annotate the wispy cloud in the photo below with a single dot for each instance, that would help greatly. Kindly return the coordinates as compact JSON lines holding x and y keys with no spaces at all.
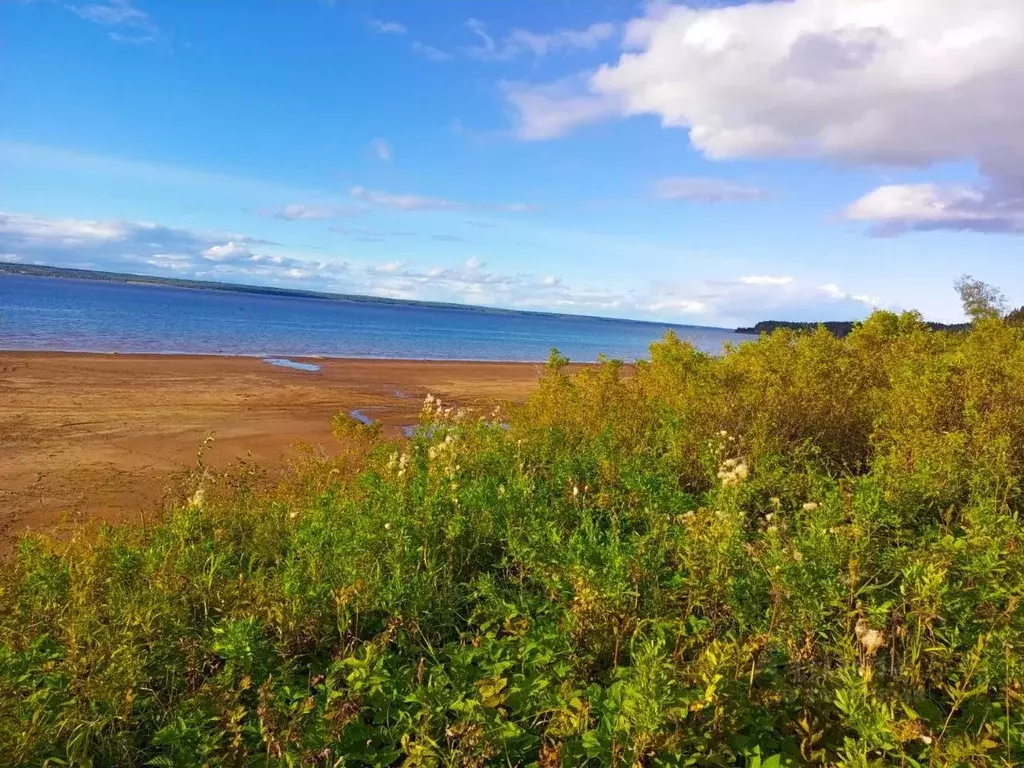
{"x":367,"y":233}
{"x":706,"y":189}
{"x":429,"y":52}
{"x":113,"y":12}
{"x":117,"y":37}
{"x":551,"y":110}
{"x":520,"y":41}
{"x":387,"y":27}
{"x":408,"y":202}
{"x":381,"y":149}
{"x":306,"y":212}
{"x":123,"y":14}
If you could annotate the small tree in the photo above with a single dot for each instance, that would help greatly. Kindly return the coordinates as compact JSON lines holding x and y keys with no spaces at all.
{"x":980,"y":300}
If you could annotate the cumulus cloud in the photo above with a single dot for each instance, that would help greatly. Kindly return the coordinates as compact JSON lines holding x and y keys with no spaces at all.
{"x":153,"y":248}
{"x":387,"y":27}
{"x":907,"y":83}
{"x":897,"y":208}
{"x":706,"y":190}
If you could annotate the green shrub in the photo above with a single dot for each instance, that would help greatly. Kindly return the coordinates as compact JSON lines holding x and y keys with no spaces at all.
{"x":806,"y":551}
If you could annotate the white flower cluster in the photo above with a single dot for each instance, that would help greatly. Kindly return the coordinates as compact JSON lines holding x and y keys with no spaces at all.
{"x":399,"y":463}
{"x":733,"y":472}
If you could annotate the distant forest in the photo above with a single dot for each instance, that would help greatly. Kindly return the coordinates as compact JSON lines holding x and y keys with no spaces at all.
{"x":836,"y":328}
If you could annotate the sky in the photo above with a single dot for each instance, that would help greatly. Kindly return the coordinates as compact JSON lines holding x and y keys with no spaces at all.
{"x":708,"y":163}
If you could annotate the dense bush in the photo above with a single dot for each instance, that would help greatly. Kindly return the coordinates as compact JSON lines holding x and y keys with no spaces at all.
{"x":806,"y":551}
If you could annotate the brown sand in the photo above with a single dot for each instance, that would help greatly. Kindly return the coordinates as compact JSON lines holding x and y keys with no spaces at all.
{"x":103,"y":437}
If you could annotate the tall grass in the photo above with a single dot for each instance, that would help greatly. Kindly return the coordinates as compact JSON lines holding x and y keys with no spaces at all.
{"x":806,"y":551}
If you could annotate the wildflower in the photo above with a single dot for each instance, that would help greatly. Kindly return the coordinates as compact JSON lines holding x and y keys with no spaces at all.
{"x":689,"y":517}
{"x":723,"y":433}
{"x":768,"y":517}
{"x":429,"y":399}
{"x":798,"y":556}
{"x":294,"y":514}
{"x":387,"y":526}
{"x":197,"y":497}
{"x":810,"y":506}
{"x":575,"y":491}
{"x":870,"y":639}
{"x":732,"y":472}
{"x":776,"y":501}
{"x":925,"y":738}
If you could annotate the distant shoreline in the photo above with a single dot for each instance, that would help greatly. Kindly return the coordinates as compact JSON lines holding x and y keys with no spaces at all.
{"x":836,"y":328}
{"x":127,"y":278}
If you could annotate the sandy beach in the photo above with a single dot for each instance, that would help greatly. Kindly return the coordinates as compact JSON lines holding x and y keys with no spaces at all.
{"x":103,"y":437}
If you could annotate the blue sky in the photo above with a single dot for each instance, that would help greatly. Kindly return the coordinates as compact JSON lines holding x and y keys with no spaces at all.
{"x":708,"y":163}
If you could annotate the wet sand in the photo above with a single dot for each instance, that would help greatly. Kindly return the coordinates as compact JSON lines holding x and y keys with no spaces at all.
{"x":105,"y":437}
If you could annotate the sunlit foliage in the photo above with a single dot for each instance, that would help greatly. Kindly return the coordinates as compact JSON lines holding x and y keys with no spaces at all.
{"x":805,"y":551}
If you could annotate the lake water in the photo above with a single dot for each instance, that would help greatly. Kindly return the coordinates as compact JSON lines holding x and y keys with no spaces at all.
{"x":41,"y":313}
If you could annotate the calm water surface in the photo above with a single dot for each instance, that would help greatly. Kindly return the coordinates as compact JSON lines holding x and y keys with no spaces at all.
{"x":40,"y":313}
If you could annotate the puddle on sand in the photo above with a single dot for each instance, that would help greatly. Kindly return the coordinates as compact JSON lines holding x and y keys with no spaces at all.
{"x":361,"y":417}
{"x":284,"y":362}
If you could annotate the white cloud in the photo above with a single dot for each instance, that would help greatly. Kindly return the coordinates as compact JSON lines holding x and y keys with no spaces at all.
{"x":306,"y":212}
{"x":900,"y":83}
{"x":381,"y":149}
{"x":566,"y":39}
{"x":429,"y":52}
{"x":226,"y":252}
{"x":30,"y":230}
{"x":388,"y":267}
{"x":539,"y":44}
{"x":407,"y":202}
{"x":404,"y":202}
{"x":387,"y":27}
{"x":766,"y":280}
{"x":112,"y":13}
{"x":897,"y":208}
{"x":138,"y":246}
{"x":155,"y":249}
{"x":706,"y":190}
{"x":553,"y":109}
